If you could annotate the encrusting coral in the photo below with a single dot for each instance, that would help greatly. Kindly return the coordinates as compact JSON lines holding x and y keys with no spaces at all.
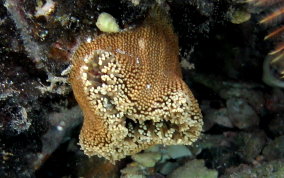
{"x":130,"y":88}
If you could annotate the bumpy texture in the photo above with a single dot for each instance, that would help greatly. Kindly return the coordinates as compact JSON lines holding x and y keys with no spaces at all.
{"x":130,"y":88}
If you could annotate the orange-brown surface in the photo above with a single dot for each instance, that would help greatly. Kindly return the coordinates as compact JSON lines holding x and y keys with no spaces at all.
{"x":130,"y":88}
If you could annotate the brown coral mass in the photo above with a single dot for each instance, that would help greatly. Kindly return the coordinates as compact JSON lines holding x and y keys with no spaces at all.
{"x":130,"y":88}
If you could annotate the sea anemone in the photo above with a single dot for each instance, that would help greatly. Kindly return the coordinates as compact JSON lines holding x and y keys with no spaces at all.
{"x":273,"y":66}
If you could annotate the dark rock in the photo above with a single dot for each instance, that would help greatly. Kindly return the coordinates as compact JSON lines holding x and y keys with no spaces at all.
{"x":275,"y":149}
{"x":241,"y":113}
{"x":250,"y":144}
{"x":276,"y":126}
{"x":269,"y":169}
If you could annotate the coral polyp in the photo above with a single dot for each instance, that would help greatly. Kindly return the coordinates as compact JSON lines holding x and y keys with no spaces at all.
{"x":130,"y":88}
